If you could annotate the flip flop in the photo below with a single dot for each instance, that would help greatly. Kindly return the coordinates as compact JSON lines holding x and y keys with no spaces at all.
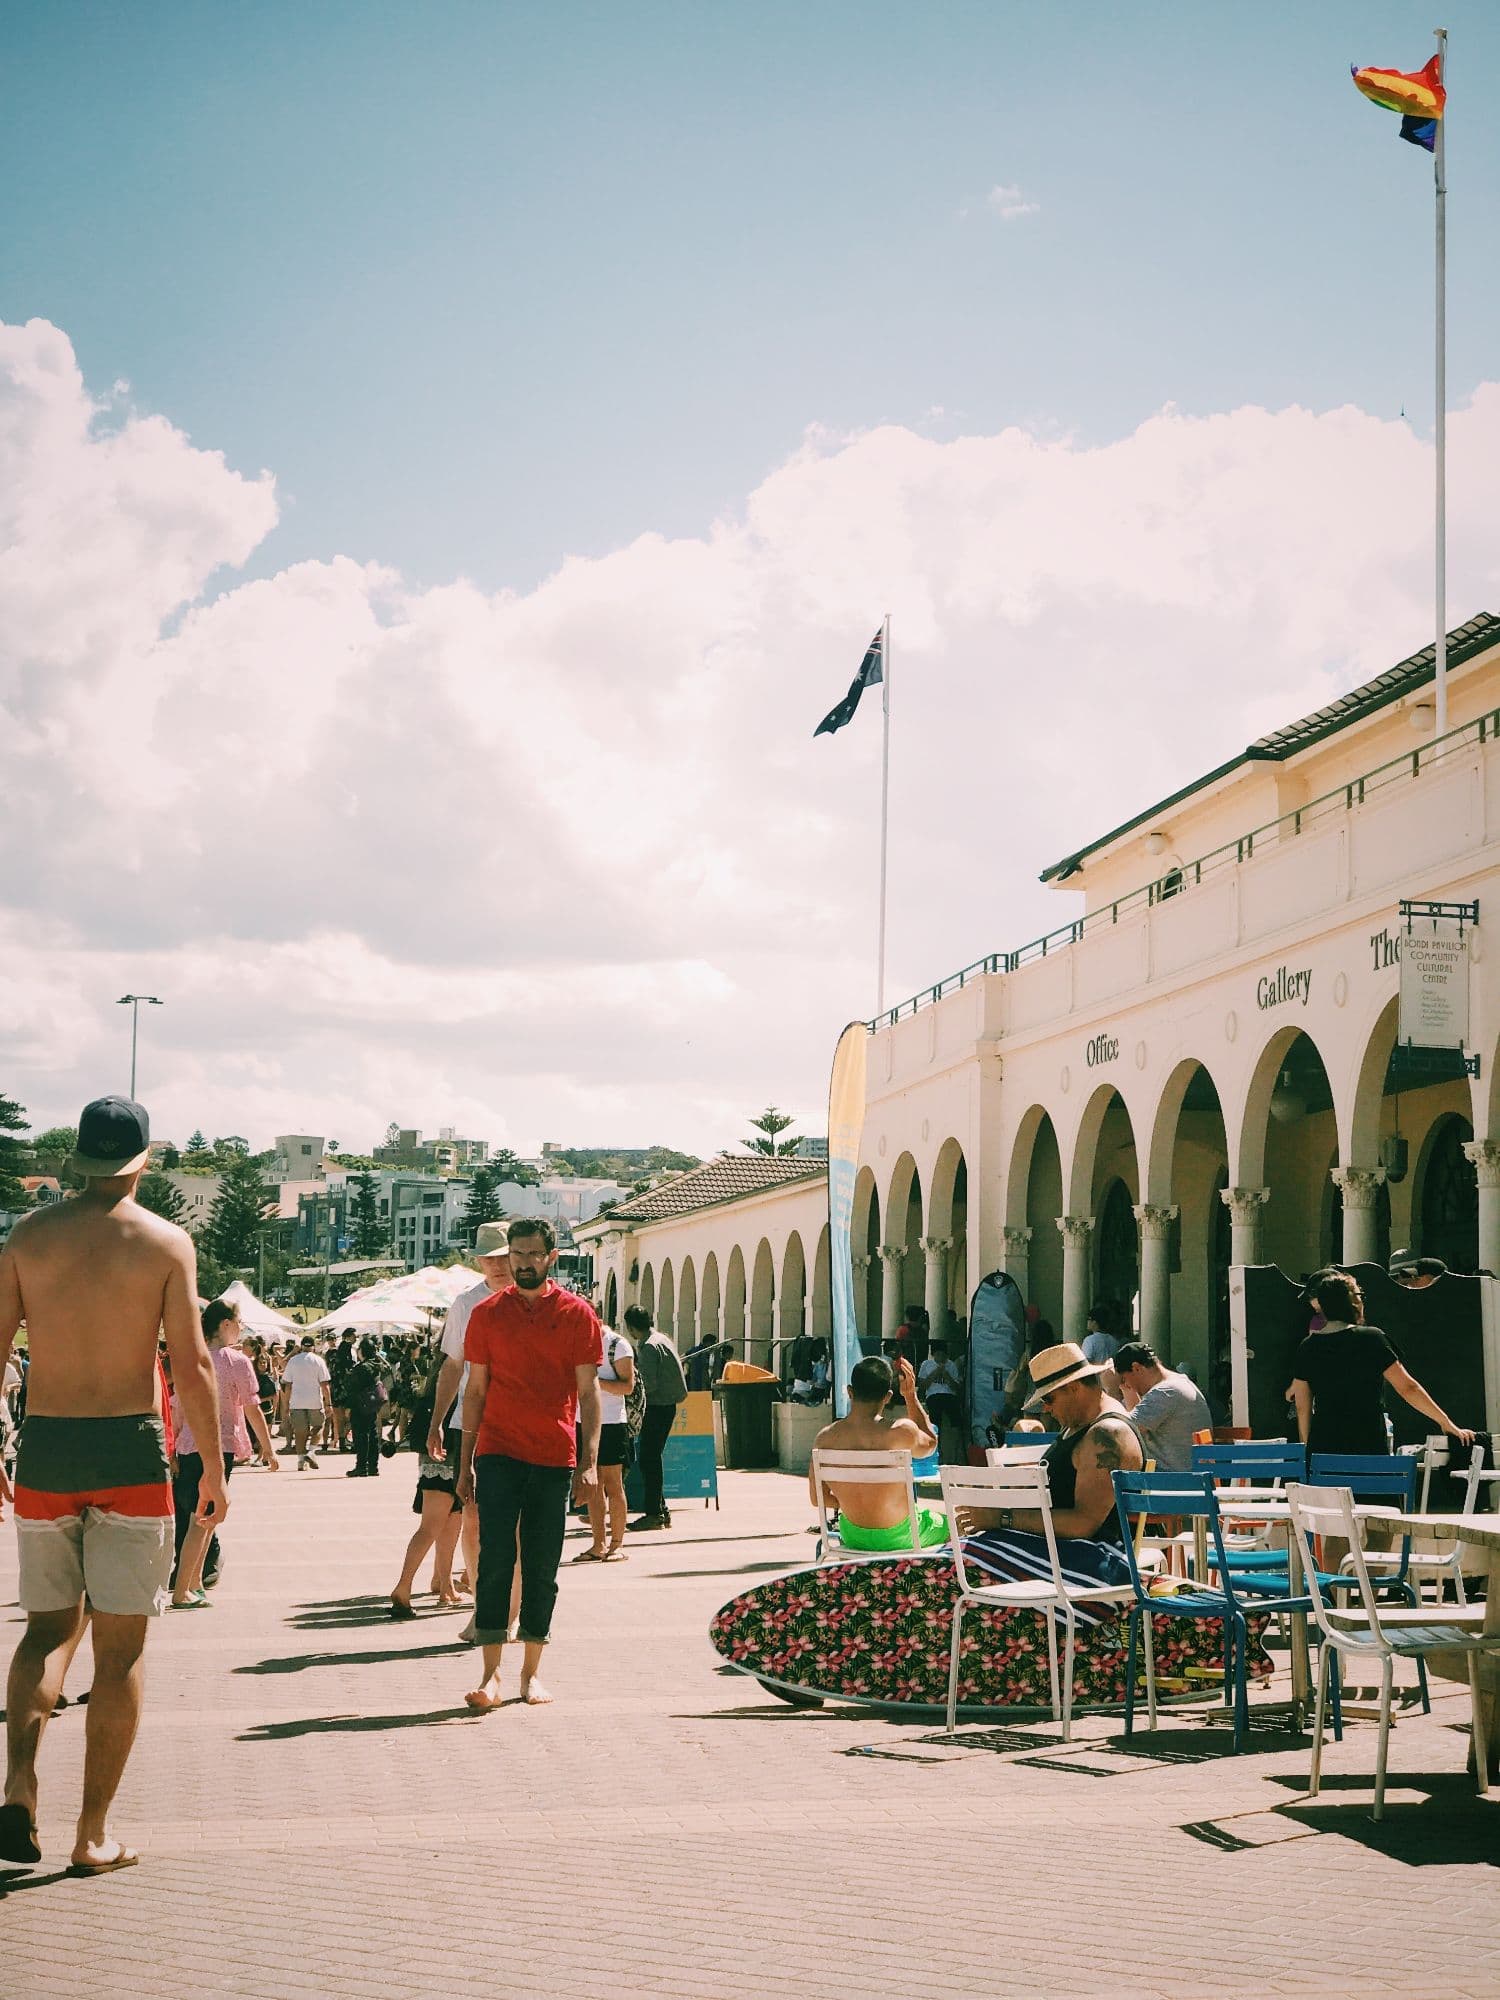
{"x":591,"y":1556}
{"x":614,"y":1556}
{"x":125,"y":1858}
{"x":18,"y":1835}
{"x":196,"y":1600}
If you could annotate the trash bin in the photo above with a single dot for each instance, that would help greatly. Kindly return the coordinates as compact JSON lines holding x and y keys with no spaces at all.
{"x":749,"y":1434}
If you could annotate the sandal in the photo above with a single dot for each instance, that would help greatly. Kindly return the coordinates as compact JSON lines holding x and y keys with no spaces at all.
{"x":591,"y":1556}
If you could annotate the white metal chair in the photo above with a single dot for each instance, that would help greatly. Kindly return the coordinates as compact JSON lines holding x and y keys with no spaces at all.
{"x":1376,"y":1631}
{"x":859,"y":1468}
{"x":1017,"y":1454}
{"x":1018,"y":1486}
{"x":1436,"y":1563}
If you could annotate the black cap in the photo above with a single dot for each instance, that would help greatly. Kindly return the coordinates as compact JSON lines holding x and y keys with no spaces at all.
{"x":114,"y":1137}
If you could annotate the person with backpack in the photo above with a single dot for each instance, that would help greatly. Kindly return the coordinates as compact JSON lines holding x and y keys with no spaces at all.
{"x":665,"y":1387}
{"x":619,"y":1387}
{"x":367,"y":1396}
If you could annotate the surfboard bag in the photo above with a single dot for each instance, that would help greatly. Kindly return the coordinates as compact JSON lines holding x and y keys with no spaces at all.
{"x":997,"y":1341}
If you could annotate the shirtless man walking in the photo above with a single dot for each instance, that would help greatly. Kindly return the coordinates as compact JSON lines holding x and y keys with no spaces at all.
{"x":94,"y":1278}
{"x":874,"y":1517}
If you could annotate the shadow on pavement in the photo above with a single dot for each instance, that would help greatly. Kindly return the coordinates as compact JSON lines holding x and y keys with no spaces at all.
{"x":293,"y":1663}
{"x":14,"y":1880}
{"x":342,"y":1615}
{"x":1450,"y":1827}
{"x":336,"y":1725}
{"x":735,"y":1569}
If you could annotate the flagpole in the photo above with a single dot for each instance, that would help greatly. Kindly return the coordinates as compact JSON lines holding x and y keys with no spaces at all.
{"x":885,"y":797}
{"x":1440,"y":537}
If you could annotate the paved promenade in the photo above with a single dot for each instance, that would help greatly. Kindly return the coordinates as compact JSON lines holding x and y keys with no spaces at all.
{"x":319,"y":1816}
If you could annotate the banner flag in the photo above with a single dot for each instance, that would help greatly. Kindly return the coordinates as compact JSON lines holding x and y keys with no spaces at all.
{"x":871,"y":674}
{"x":846,"y":1120}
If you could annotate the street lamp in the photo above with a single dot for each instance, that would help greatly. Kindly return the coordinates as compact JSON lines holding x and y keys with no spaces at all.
{"x":134,"y":1002}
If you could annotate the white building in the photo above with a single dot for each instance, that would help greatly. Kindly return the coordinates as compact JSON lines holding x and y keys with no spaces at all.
{"x":1199,"y":1068}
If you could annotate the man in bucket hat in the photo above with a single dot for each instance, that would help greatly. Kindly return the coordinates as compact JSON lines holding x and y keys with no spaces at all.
{"x":95,"y":1278}
{"x":1095,"y":1439}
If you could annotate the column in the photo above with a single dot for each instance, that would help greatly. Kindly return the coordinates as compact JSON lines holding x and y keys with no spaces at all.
{"x":1156,"y":1275}
{"x":892,"y":1256}
{"x":935,"y":1294}
{"x":1076,"y":1230}
{"x":1484,"y":1156}
{"x":1245,"y":1205}
{"x":1360,"y":1187}
{"x":1018,"y":1258}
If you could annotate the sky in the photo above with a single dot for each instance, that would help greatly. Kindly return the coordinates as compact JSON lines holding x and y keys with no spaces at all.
{"x":451,"y":458}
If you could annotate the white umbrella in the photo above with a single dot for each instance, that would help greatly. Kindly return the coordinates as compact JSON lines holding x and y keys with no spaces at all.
{"x":372,"y":1311}
{"x":255,"y":1316}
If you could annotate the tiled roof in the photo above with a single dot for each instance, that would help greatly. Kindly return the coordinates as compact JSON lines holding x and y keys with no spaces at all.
{"x":729,"y":1178}
{"x":1402,"y":679}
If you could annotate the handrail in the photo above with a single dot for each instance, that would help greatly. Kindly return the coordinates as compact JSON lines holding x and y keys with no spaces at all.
{"x":1343,"y":798}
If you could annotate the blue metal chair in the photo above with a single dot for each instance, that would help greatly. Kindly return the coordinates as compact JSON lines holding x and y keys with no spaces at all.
{"x":1190,"y":1496}
{"x":1259,"y":1462}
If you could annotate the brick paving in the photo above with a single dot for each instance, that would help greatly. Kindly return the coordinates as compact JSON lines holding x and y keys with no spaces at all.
{"x":318,"y":1817}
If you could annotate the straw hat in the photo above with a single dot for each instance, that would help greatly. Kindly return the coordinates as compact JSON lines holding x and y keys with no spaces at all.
{"x":1055,"y":1367}
{"x":493,"y":1240}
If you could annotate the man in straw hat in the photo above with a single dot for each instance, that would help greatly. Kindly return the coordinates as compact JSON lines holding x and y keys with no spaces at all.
{"x":1095,"y":1440}
{"x":94,"y":1279}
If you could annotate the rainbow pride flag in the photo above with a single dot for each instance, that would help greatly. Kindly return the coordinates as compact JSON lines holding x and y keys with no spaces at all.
{"x":1419,"y":98}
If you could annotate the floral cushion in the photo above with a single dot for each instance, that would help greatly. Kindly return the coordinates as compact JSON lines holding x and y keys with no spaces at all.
{"x":881,"y":1631}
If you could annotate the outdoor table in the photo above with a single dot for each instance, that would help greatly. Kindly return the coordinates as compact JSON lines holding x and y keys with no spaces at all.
{"x":1482,"y":1532}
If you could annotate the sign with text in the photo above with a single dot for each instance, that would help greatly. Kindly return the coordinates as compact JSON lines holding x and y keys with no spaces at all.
{"x":1434,"y":987}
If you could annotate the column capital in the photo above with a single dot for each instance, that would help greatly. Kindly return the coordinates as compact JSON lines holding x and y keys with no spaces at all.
{"x":1483,"y":1156}
{"x":1016,"y":1239}
{"x":936,"y":1246}
{"x":861,"y":1263}
{"x":893,"y":1253}
{"x":1155,"y":1219}
{"x":1075,"y":1228}
{"x":1244,"y":1204}
{"x":1360,"y":1186}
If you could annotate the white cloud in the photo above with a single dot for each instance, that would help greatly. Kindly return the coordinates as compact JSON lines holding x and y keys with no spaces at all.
{"x":570,"y":865}
{"x":1009,"y":203}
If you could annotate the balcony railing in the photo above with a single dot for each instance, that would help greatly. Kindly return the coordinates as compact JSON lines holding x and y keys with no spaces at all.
{"x":1344,"y":799}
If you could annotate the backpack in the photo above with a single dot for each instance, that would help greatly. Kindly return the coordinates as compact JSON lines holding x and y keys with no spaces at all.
{"x":635,"y":1402}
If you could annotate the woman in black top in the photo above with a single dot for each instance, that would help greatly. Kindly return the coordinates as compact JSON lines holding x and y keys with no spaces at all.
{"x":1339,"y":1372}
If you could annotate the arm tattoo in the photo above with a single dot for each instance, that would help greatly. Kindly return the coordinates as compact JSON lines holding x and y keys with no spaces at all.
{"x":1107,"y":1454}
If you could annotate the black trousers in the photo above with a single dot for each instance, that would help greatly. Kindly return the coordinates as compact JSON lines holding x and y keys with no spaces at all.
{"x":656,"y":1428}
{"x":511,"y":1492}
{"x":185,"y":1503}
{"x":366,"y":1440}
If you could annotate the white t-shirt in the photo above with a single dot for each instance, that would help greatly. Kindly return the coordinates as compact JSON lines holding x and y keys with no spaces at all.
{"x":455,"y":1326}
{"x":612,"y":1404}
{"x":304,"y":1376}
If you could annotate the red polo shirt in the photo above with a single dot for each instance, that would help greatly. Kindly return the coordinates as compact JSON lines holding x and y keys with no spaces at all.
{"x":531,"y":1344}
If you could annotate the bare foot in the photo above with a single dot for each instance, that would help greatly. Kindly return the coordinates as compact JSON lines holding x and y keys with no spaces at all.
{"x":534,"y":1694}
{"x":101,"y":1857}
{"x":483,"y":1699}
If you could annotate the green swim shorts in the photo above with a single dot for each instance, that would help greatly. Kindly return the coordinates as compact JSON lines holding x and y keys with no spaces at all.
{"x":932,"y":1530}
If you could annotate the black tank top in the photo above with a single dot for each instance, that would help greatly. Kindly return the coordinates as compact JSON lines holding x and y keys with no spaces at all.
{"x":1062,"y":1474}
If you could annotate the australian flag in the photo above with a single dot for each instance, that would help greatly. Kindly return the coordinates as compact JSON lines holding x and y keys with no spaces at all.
{"x":871,"y":674}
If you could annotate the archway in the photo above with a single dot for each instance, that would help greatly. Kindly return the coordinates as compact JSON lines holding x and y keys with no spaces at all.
{"x":647,"y":1293}
{"x":708,"y":1311}
{"x":666,"y":1317}
{"x":792,"y":1318}
{"x":734,"y":1300}
{"x":1103,"y":1183}
{"x":901,"y":1275}
{"x":1288,"y":1136}
{"x":611,"y":1301}
{"x":821,"y":1302}
{"x":1187,"y":1167}
{"x":1034,"y":1201}
{"x":865,"y":1245}
{"x":1446,"y":1197}
{"x":945,"y":1271}
{"x":760,"y":1348}
{"x":687,"y":1307}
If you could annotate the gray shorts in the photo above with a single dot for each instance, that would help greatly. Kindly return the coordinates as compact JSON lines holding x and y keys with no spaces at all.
{"x":94,"y":1514}
{"x":121,"y":1563}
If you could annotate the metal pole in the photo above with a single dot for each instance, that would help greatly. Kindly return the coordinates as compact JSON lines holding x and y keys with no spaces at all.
{"x":885,"y":796}
{"x":135,"y":1022}
{"x":1440,"y":183}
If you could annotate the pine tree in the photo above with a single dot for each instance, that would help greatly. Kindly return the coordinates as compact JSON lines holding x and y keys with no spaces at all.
{"x":197,"y":1144}
{"x":12,"y":1119}
{"x":769,"y":1126}
{"x":372,"y":1235}
{"x":232,"y":1232}
{"x":162,"y":1196}
{"x":504,"y":1166}
{"x":483,"y":1203}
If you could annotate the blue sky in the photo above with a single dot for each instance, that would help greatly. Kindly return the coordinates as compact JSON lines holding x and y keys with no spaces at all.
{"x":489,"y":285}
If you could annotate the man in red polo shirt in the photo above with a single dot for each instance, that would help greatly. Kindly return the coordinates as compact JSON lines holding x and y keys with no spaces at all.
{"x":534,"y":1352}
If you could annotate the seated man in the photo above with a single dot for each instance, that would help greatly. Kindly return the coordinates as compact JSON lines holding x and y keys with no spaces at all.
{"x":874,"y":1517}
{"x":1165,"y":1407}
{"x":1094,"y":1441}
